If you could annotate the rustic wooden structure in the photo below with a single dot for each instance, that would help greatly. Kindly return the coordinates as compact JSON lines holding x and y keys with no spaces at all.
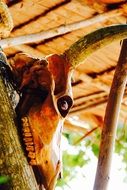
{"x":60,"y":24}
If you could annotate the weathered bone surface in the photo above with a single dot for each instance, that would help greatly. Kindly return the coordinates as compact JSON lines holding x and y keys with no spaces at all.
{"x":46,"y":97}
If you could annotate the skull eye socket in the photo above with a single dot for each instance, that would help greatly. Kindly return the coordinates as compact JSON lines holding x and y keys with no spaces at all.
{"x":64,"y":104}
{"x":31,"y":97}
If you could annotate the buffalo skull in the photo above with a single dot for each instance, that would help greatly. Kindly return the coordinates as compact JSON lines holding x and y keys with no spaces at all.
{"x":46,"y":98}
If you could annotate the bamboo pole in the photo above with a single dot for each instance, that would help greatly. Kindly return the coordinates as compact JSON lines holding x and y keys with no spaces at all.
{"x":110,"y":121}
{"x":31,"y":38}
{"x":13,"y":163}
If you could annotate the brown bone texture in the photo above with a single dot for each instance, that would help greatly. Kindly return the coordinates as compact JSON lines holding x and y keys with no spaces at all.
{"x":45,"y":100}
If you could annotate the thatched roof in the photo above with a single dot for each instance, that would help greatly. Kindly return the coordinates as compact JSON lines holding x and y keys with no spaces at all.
{"x":93,"y":79}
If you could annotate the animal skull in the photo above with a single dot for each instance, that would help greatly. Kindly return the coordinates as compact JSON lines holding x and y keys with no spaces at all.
{"x":46,"y":99}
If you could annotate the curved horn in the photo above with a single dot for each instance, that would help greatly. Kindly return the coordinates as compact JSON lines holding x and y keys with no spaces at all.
{"x":88,"y":44}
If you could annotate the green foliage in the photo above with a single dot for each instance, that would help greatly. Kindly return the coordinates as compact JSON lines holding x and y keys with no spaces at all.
{"x":4,"y":179}
{"x":95,"y":149}
{"x":71,"y":159}
{"x":77,"y":155}
{"x":121,"y":143}
{"x":72,"y":137}
{"x":74,"y":160}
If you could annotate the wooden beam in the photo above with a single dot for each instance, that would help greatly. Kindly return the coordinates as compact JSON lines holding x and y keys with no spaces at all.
{"x":96,"y":82}
{"x":31,"y":38}
{"x":29,"y":50}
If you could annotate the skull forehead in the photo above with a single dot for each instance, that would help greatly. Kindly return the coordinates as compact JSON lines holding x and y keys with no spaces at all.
{"x":56,"y":67}
{"x":59,"y":68}
{"x":53,"y":70}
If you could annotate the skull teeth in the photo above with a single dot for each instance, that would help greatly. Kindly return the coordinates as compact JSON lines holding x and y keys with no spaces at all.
{"x":30,"y":148}
{"x":27,"y":134}
{"x":29,"y":143}
{"x":28,"y":140}
{"x":32,"y":162}
{"x":26,"y":130}
{"x":31,"y":155}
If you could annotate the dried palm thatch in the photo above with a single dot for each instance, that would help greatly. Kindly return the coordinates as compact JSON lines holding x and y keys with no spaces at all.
{"x":55,"y":25}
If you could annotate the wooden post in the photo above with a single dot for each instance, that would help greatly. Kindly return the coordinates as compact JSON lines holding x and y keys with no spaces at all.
{"x":111,"y":120}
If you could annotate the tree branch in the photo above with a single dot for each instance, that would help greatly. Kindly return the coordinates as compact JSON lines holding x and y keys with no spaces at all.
{"x":13,"y":163}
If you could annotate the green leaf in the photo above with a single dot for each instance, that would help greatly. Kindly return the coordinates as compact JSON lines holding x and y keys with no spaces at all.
{"x":73,"y":160}
{"x":4,"y":179}
{"x":95,"y":149}
{"x":72,"y":137}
